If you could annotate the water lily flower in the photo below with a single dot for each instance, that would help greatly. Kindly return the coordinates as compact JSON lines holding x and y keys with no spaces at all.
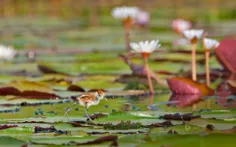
{"x":142,"y":18}
{"x":127,"y":15}
{"x":125,"y":12}
{"x":7,"y":52}
{"x":145,"y":48}
{"x":193,"y":36}
{"x":209,"y":44}
{"x":180,"y":25}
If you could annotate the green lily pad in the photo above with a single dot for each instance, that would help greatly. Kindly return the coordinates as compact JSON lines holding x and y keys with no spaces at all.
{"x":218,"y":124}
{"x":7,"y":141}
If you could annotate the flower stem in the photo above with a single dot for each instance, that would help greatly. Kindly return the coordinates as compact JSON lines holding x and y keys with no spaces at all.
{"x":127,"y":39}
{"x":207,"y":53}
{"x":194,"y":69}
{"x":148,"y":75}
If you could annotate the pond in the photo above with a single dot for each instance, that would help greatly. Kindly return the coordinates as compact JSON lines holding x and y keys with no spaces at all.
{"x":129,"y":117}
{"x":70,"y":60}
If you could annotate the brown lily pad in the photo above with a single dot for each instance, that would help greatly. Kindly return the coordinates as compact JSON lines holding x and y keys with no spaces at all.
{"x":188,"y":86}
{"x":47,"y":70}
{"x":164,"y":124}
{"x":26,"y":89}
{"x":177,"y":116}
{"x":2,"y":127}
{"x":97,"y":115}
{"x":226,"y":52}
{"x":75,"y":88}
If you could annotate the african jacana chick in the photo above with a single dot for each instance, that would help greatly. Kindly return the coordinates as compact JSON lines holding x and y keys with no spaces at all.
{"x":88,"y":100}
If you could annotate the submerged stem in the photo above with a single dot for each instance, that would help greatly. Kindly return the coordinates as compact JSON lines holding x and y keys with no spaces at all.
{"x":127,"y":39}
{"x":148,"y":75}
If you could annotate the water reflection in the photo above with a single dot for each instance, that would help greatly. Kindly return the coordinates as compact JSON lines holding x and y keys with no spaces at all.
{"x":179,"y":103}
{"x":224,"y":93}
{"x":231,"y":82}
{"x":184,"y":100}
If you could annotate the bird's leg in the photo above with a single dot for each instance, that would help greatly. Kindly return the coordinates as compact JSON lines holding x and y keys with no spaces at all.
{"x":86,"y":113}
{"x":68,"y":110}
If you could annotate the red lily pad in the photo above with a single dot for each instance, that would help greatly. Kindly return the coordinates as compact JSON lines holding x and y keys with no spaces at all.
{"x":2,"y":127}
{"x":188,"y":86}
{"x":225,"y":53}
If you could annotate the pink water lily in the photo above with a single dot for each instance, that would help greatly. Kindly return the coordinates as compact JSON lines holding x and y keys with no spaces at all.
{"x":142,"y":18}
{"x":180,"y":25}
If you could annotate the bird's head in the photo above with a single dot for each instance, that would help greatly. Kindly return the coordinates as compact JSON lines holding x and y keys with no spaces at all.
{"x":100,"y":94}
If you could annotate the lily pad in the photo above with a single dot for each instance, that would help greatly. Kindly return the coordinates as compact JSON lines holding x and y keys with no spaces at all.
{"x":188,"y":86}
{"x":11,"y":142}
{"x":225,"y":52}
{"x":218,"y":124}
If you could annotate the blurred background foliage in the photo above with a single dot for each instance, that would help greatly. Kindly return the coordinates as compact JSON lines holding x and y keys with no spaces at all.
{"x":56,"y":23}
{"x":94,"y":11}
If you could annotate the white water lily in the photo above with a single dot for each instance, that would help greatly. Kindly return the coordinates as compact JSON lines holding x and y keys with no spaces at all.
{"x":181,"y":25}
{"x":193,"y":34}
{"x":7,"y":52}
{"x":125,"y":12}
{"x":145,"y":46}
{"x":210,"y":43}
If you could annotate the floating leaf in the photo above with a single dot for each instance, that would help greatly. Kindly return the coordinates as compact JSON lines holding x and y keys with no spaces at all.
{"x":225,"y":53}
{"x":10,"y":142}
{"x":47,"y":70}
{"x":188,"y":86}
{"x":28,"y":89}
{"x":75,"y":88}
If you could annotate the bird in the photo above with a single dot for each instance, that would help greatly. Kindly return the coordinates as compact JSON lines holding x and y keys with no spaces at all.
{"x":88,"y":100}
